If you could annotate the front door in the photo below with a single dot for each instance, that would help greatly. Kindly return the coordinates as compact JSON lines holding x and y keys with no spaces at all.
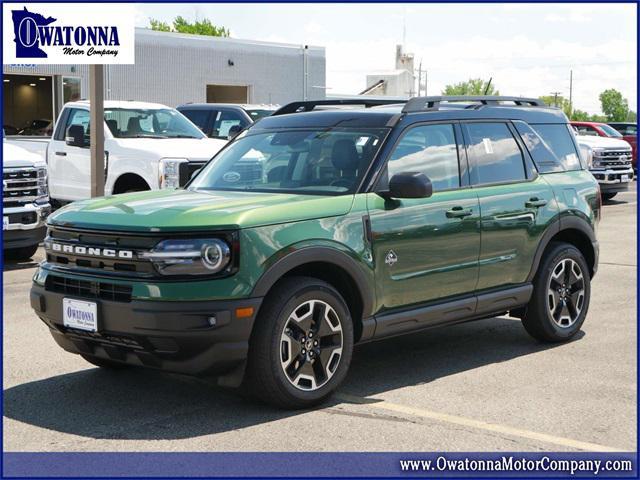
{"x":70,"y":166}
{"x":426,"y":249}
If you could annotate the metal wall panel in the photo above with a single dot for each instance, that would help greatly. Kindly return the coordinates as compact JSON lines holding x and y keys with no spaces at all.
{"x":174,"y":68}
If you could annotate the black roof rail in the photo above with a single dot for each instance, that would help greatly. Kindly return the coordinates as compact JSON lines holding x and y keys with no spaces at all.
{"x":420,"y":104}
{"x":307,"y":106}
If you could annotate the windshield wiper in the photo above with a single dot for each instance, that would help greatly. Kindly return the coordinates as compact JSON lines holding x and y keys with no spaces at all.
{"x":180,"y":136}
{"x":143,"y":135}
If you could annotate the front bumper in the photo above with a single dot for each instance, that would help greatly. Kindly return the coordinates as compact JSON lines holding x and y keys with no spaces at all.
{"x":612,"y":181}
{"x":171,"y":336}
{"x":26,"y":225}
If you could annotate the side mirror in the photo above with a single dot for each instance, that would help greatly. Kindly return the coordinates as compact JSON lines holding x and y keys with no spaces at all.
{"x":410,"y":185}
{"x":75,"y":136}
{"x":234,"y":131}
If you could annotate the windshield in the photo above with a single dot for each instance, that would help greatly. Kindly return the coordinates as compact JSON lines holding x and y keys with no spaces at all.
{"x":257,"y":114}
{"x":322,"y":162}
{"x":610,"y":131}
{"x":152,"y":123}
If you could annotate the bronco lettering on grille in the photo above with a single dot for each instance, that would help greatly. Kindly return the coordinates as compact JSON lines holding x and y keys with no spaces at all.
{"x":92,"y":251}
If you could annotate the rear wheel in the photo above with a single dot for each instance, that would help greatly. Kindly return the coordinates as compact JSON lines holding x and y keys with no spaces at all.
{"x":302,"y":344}
{"x":561,"y":294}
{"x":22,"y":253}
{"x":609,"y":196}
{"x":104,"y":363}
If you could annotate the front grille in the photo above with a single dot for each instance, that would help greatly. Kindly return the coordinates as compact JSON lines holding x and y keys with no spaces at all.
{"x":20,"y":186}
{"x":106,"y":338}
{"x":25,"y":218}
{"x":88,"y":289}
{"x":186,"y":170}
{"x":614,"y":159}
{"x":114,"y":265}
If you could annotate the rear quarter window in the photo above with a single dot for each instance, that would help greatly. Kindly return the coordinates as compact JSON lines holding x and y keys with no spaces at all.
{"x":551,"y":146}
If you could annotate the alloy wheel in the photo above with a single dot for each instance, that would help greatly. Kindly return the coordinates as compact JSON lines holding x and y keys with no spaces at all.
{"x":566,"y":293}
{"x":311,"y":345}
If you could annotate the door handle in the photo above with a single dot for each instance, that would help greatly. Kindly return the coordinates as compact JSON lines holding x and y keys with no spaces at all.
{"x":535,"y":202}
{"x":459,"y":212}
{"x":61,"y":154}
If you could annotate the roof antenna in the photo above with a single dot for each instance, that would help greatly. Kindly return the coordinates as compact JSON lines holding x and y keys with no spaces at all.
{"x":488,"y":85}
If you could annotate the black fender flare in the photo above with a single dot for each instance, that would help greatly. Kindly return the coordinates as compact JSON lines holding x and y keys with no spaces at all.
{"x":318,"y":254}
{"x":558,"y":225}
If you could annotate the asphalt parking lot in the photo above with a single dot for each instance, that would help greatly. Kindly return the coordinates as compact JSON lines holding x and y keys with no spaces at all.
{"x":483,"y":386}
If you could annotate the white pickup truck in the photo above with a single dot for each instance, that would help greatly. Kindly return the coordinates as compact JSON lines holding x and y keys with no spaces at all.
{"x":147,"y":146}
{"x":609,"y":161}
{"x":25,"y":201}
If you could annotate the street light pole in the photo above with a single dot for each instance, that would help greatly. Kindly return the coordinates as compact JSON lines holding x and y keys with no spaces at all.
{"x":96,"y":129}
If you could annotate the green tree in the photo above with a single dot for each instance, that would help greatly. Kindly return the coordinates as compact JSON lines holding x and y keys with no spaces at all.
{"x":580,"y":116}
{"x":614,"y":105}
{"x":632,"y":117}
{"x":473,"y":86}
{"x":181,"y":25}
{"x":558,"y":101}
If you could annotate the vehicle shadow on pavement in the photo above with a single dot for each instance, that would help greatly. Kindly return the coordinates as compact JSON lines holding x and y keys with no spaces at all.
{"x":10,"y":265}
{"x":139,"y":404}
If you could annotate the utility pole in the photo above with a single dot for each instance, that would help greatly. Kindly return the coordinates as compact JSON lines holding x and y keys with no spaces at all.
{"x":96,"y":128}
{"x":570,"y":92}
{"x":555,"y":98}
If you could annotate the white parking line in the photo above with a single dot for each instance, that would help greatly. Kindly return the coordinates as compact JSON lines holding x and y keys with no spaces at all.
{"x":478,"y":424}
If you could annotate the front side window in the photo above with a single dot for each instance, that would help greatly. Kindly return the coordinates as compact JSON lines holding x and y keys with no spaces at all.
{"x":322,"y":162}
{"x":429,"y":149}
{"x":586,"y":130}
{"x":149,"y":123}
{"x":79,"y":117}
{"x":494,"y":154}
{"x":610,"y":131}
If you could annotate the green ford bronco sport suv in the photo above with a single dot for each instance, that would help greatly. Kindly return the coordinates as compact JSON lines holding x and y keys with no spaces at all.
{"x":326,"y":225}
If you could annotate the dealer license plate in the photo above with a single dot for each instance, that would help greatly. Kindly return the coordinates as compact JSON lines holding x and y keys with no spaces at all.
{"x":624,"y":178}
{"x":80,"y":314}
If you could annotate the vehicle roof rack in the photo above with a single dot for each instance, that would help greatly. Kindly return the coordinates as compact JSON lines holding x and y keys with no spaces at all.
{"x":420,"y":104}
{"x":307,"y":106}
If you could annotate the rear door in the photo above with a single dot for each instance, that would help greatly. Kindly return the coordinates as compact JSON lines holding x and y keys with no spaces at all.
{"x":70,"y":166}
{"x":516,"y":203}
{"x":426,"y":249}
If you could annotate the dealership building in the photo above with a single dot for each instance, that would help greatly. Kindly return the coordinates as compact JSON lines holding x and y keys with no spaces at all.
{"x":173,"y":68}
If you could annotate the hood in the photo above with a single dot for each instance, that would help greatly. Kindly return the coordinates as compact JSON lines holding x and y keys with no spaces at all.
{"x":201,"y":149}
{"x":602,"y":142}
{"x":15,"y":156}
{"x":183,"y":210}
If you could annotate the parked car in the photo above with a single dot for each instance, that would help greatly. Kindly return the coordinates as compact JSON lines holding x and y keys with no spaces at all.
{"x":224,"y":120}
{"x":41,"y":127}
{"x":609,"y":160}
{"x":25,"y":202}
{"x":629,"y":132}
{"x":315,"y":231}
{"x":148,"y":146}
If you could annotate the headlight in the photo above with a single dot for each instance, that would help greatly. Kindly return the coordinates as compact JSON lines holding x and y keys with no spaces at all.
{"x":169,"y":172}
{"x":587,"y":155}
{"x":43,"y":189}
{"x":204,"y":256}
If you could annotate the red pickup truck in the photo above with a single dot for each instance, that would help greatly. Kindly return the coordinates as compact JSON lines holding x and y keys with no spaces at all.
{"x":611,"y":130}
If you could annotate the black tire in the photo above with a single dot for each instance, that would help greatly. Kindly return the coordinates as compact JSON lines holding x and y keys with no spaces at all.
{"x":22,"y":253}
{"x":538,"y":320}
{"x":269,"y":349}
{"x":104,"y":363}
{"x":608,"y":196}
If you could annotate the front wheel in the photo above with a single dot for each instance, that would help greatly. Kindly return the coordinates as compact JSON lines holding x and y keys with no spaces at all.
{"x":302,"y":344}
{"x":561,"y":294}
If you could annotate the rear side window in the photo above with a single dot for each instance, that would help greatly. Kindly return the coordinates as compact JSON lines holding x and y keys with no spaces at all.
{"x":494,"y":154}
{"x":561,"y":149}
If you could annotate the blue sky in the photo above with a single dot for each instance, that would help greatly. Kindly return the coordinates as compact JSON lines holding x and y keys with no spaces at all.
{"x":528,"y":49}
